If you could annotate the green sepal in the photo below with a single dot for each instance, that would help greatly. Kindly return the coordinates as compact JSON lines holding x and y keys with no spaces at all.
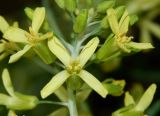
{"x":70,"y":5}
{"x":74,"y":82}
{"x":107,"y":49}
{"x":81,"y":21}
{"x":114,"y":87}
{"x":103,"y":6}
{"x":84,"y":93}
{"x":44,"y":53}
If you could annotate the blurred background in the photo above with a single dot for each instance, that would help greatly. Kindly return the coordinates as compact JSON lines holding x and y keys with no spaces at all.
{"x":139,"y":70}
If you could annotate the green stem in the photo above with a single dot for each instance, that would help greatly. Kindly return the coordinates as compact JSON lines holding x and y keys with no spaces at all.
{"x":72,"y":103}
{"x":53,"y":102}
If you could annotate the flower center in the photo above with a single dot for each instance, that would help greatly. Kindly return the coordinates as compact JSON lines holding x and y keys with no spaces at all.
{"x":74,"y":67}
{"x":32,"y":36}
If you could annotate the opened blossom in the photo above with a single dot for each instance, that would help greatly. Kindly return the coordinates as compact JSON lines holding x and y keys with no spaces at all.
{"x":73,"y":66}
{"x":120,"y":29}
{"x":31,"y":39}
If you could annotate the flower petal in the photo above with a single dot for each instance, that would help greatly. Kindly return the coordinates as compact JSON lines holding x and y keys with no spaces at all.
{"x":147,"y":98}
{"x":93,"y":83}
{"x":15,"y":34}
{"x":3,"y":55}
{"x":113,"y":22}
{"x":4,"y":99}
{"x":54,"y":83}
{"x":88,"y":51}
{"x":7,"y":82}
{"x":19,"y":54}
{"x":140,"y":46}
{"x":59,"y":50}
{"x":128,"y":100}
{"x":3,"y":24}
{"x":11,"y":113}
{"x":38,"y":18}
{"x":124,"y":23}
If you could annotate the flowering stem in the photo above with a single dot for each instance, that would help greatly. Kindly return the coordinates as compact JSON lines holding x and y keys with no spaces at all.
{"x":72,"y":103}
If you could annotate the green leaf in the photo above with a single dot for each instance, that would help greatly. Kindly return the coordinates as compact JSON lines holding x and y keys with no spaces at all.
{"x":128,"y":100}
{"x":15,"y":57}
{"x":44,"y":53}
{"x":15,"y":35}
{"x":93,"y":83}
{"x":88,"y":51}
{"x":70,"y":5}
{"x":103,"y":6}
{"x":38,"y":18}
{"x":59,"y":51}
{"x":3,"y":24}
{"x":81,"y":21}
{"x":54,"y":83}
{"x":7,"y":82}
{"x":146,"y":99}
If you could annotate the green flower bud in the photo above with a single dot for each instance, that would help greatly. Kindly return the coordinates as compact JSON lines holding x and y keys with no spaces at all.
{"x":22,"y":102}
{"x":81,"y":21}
{"x":103,"y":6}
{"x":29,"y":12}
{"x":70,"y":5}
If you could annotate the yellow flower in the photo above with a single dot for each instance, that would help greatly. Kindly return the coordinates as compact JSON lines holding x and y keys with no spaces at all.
{"x":31,"y":38}
{"x":73,"y":66}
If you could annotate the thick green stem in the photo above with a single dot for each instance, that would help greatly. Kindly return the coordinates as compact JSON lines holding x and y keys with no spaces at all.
{"x":72,"y":103}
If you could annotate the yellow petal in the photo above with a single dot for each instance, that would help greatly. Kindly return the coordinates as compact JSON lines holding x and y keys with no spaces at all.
{"x":19,"y":54}
{"x":3,"y":24}
{"x":113,"y":22}
{"x":128,"y":100}
{"x":59,"y":50}
{"x":124,"y":23}
{"x":140,"y":46}
{"x":15,"y":34}
{"x":7,"y":82}
{"x":147,"y":98}
{"x":54,"y":83}
{"x":88,"y":51}
{"x":38,"y":18}
{"x":11,"y":113}
{"x":93,"y":83}
{"x":3,"y":55}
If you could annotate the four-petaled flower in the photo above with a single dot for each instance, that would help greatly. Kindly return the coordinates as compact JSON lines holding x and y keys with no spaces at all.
{"x":73,"y":66}
{"x":31,"y":38}
{"x":120,"y":30}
